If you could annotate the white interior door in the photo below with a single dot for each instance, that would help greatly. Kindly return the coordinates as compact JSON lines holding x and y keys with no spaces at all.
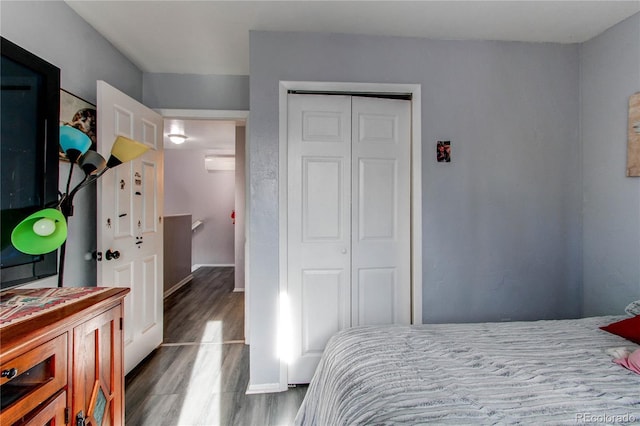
{"x":348,"y":210}
{"x":129,"y":222}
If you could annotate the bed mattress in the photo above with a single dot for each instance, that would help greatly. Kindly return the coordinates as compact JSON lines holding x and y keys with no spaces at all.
{"x":541,"y":372}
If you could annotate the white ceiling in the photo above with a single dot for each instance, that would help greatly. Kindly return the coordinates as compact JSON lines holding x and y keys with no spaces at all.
{"x":212,"y":37}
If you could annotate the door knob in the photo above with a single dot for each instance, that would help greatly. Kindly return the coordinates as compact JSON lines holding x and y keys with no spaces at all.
{"x":112,"y":254}
{"x":343,"y":251}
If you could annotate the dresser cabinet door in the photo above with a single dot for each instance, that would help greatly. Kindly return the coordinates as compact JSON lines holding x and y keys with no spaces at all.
{"x":52,"y":414}
{"x":97,"y":370}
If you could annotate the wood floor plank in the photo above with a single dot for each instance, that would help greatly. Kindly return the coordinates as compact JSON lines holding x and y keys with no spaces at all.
{"x":196,"y":378}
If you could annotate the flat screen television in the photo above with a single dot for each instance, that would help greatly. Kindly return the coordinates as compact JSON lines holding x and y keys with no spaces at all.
{"x":29,"y":132}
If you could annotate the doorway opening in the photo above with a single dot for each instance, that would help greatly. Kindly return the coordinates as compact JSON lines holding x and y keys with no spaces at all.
{"x":204,"y":194}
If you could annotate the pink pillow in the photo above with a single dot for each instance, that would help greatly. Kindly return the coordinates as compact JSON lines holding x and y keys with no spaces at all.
{"x":628,"y":328}
{"x":632,"y":362}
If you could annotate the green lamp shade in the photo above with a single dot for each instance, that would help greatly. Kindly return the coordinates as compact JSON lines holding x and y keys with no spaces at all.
{"x":125,"y":149}
{"x":42,"y":232}
{"x":73,"y":142}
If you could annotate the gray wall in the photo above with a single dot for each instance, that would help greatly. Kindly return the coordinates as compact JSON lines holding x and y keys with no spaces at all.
{"x":194,"y":91}
{"x":207,"y":196}
{"x":53,"y":31}
{"x":502,"y":224}
{"x":610,"y":73}
{"x":211,"y":92}
{"x":177,"y":249}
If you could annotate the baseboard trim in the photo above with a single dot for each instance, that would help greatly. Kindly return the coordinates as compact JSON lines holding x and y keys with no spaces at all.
{"x":238,"y":290}
{"x":177,"y":286}
{"x":226,"y":342}
{"x":263,"y":388}
{"x":211,"y":265}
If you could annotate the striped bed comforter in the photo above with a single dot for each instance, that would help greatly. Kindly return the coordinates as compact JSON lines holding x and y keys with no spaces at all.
{"x":542,"y":372}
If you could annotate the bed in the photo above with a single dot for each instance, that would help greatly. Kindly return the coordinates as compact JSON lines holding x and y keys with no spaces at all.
{"x":540,"y":372}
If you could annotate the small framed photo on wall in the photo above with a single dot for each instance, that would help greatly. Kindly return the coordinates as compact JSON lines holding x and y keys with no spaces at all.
{"x":443,"y":151}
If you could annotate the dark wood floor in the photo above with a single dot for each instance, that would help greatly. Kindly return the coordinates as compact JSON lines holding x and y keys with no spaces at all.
{"x":199,"y":375}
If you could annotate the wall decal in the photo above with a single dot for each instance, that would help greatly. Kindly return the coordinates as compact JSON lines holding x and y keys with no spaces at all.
{"x":633,"y":140}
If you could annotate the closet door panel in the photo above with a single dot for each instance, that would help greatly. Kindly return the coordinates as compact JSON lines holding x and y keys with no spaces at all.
{"x":322,"y":190}
{"x":323,"y":308}
{"x":319,"y":226}
{"x":381,"y":225}
{"x":377,"y":216}
{"x":376,"y":295}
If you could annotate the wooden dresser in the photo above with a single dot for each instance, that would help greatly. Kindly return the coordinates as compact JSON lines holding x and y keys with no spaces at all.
{"x":62,"y":357}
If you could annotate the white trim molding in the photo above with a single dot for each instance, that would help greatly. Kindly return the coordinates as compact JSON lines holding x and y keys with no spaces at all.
{"x":198,"y":114}
{"x":264,"y":388}
{"x":416,"y":182}
{"x":177,"y":286}
{"x":211,"y":265}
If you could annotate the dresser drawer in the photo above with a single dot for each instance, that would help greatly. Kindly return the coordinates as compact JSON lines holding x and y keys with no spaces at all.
{"x":32,"y":378}
{"x":51,"y":414}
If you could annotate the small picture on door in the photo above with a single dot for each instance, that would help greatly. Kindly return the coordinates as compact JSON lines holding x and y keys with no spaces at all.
{"x":443,"y":151}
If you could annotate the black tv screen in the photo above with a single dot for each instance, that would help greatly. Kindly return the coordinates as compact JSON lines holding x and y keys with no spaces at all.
{"x":29,"y":111}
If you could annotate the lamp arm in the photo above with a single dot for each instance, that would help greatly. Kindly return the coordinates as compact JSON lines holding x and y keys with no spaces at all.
{"x":101,"y":172}
{"x":66,"y":201}
{"x":69,"y":177}
{"x":86,"y":181}
{"x":65,"y":205}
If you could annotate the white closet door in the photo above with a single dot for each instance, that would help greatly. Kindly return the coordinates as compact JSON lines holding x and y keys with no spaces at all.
{"x":348,"y":220}
{"x":381,"y":226}
{"x":319,"y":226}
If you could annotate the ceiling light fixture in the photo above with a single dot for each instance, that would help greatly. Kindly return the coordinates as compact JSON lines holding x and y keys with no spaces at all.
{"x":177,"y":138}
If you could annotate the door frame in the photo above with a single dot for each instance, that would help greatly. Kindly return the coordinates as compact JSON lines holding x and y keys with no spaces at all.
{"x":416,"y":194}
{"x":224,"y":115}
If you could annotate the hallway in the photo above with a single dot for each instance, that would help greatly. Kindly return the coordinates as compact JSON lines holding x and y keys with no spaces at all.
{"x":199,"y":375}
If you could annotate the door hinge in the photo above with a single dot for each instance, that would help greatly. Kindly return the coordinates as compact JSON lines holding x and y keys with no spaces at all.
{"x":66,"y":415}
{"x":121,"y":323}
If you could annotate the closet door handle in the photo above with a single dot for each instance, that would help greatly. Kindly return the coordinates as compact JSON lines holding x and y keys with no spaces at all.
{"x":343,"y":251}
